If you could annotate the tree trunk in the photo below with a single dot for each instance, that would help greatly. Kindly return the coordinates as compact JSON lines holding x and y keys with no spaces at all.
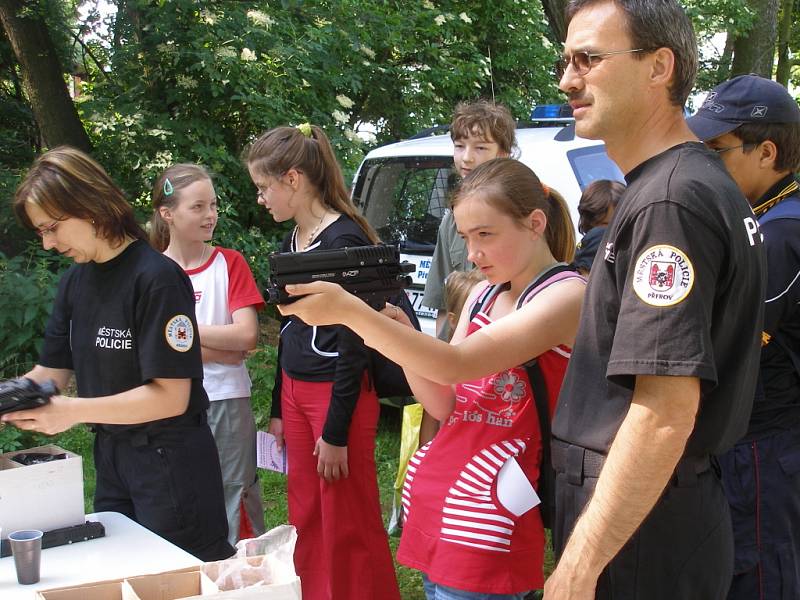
{"x":754,"y":52}
{"x":554,"y":11}
{"x":43,"y":78}
{"x":784,"y":35}
{"x":724,"y":68}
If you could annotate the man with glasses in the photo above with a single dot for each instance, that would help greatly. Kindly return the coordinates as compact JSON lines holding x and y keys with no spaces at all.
{"x":662,"y":373}
{"x":754,"y":125}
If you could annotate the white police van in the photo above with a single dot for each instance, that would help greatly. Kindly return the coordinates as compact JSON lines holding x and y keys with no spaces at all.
{"x":403,"y":188}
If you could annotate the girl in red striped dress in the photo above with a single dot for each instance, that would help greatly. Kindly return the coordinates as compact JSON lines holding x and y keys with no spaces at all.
{"x":472,"y":523}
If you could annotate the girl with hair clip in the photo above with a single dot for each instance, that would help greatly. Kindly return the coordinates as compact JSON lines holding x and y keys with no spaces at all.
{"x":226,"y":304}
{"x":472,"y":525}
{"x":123,"y":323}
{"x":322,"y":402}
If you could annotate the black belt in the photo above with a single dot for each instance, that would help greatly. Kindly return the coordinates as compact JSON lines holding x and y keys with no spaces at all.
{"x":578,"y":462}
{"x":140,"y":435}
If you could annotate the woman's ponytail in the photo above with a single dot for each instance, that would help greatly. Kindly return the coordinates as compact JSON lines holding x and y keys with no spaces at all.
{"x":560,"y":234}
{"x":332,"y":187}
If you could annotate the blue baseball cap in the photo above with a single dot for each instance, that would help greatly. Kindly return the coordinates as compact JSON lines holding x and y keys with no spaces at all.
{"x":743,"y":99}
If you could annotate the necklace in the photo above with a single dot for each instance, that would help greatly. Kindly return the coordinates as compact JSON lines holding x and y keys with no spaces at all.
{"x":188,"y":267}
{"x":312,"y":235}
{"x":203,"y":256}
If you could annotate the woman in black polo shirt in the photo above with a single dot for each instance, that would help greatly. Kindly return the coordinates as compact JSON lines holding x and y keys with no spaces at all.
{"x":123,"y":322}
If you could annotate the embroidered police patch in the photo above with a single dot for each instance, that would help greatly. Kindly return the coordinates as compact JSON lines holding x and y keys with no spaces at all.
{"x":179,"y":333}
{"x":663,"y":276}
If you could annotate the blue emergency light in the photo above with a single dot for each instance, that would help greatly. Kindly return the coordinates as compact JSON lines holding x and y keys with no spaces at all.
{"x":551,"y":111}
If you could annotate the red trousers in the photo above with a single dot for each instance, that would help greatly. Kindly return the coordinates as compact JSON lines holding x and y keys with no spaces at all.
{"x":342,"y":550}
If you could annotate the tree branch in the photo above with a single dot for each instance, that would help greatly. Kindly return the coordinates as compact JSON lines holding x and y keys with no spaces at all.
{"x":91,"y":55}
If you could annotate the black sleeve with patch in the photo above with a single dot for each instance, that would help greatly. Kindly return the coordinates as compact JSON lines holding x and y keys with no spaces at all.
{"x":666,"y":334}
{"x":160,"y":315}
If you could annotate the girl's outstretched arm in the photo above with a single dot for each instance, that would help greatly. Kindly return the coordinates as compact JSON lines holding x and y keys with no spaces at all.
{"x":550,"y":319}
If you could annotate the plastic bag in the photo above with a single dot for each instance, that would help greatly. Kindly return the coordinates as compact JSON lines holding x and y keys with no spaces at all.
{"x":263,"y":561}
{"x":409,"y":442}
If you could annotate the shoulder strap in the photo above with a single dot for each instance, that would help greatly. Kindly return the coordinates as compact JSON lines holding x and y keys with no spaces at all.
{"x":788,"y":208}
{"x":540,"y":397}
{"x":559,"y":272}
{"x":490,"y":291}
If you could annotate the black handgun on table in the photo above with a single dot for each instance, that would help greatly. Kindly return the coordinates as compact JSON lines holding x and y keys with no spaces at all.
{"x":23,"y":393}
{"x":373,"y":273}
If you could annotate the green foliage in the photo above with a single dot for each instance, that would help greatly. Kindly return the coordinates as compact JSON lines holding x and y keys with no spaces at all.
{"x":27,"y":289}
{"x":10,"y":438}
{"x":197,"y":82}
{"x":80,"y":440}
{"x":710,"y":18}
{"x":261,"y":365}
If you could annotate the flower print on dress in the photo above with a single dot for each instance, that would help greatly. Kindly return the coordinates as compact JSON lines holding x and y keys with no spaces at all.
{"x":509,"y":387}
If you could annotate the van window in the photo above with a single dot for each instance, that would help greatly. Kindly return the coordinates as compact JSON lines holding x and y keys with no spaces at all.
{"x":592,"y":163}
{"x":404,"y":198}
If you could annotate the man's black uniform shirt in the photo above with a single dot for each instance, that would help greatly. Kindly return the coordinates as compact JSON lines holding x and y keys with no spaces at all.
{"x":676,"y":289}
{"x":121,"y":323}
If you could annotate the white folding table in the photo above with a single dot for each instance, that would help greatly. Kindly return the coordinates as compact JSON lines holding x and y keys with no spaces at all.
{"x":127,"y":550}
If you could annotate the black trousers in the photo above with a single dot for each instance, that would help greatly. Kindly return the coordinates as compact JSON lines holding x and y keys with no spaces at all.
{"x":168,"y":481}
{"x":762,"y":483}
{"x":682,"y":551}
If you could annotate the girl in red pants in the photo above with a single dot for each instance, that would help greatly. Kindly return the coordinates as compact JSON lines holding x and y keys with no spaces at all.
{"x":322,"y":404}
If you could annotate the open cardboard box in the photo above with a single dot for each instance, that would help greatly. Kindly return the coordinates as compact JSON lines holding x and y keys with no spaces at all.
{"x":170,"y":585}
{"x":44,"y":496}
{"x":183,"y":584}
{"x":109,"y":590}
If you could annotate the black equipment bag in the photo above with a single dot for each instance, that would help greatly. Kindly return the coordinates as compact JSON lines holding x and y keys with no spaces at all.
{"x":387,"y":377}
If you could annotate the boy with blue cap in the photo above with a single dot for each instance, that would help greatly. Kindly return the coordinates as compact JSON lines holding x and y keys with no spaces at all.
{"x":754,"y":125}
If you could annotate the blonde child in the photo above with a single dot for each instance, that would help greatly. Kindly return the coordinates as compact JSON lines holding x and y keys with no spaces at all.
{"x":226,"y":304}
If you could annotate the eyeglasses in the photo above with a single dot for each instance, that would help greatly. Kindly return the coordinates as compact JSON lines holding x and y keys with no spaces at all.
{"x":725,"y":149}
{"x":261,"y":193}
{"x":49,"y":229}
{"x":583,"y":60}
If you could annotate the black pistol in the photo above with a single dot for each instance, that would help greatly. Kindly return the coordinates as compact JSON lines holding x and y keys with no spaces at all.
{"x":23,"y":393}
{"x":373,"y":273}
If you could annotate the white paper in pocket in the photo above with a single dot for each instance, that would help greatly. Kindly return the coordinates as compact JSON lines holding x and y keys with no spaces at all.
{"x":514,"y":491}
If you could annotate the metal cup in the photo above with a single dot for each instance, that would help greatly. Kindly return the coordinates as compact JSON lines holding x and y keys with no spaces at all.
{"x":26,"y":546}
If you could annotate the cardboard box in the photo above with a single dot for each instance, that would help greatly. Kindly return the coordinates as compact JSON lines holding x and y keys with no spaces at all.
{"x":111,"y":590}
{"x":168,"y":586}
{"x":182,"y":584}
{"x":44,"y":496}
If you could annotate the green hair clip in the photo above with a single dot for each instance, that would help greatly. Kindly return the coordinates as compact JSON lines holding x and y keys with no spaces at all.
{"x":168,"y":189}
{"x":305,"y":129}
